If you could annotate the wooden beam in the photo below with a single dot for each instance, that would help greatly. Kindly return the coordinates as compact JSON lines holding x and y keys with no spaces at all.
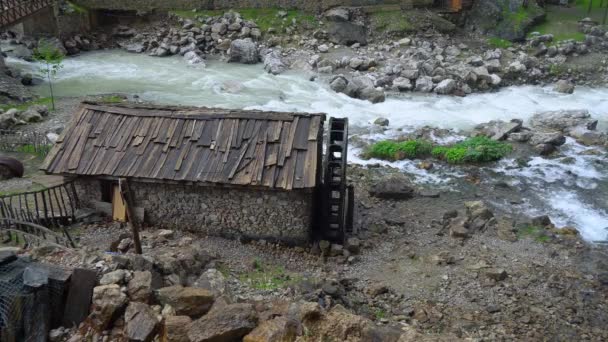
{"x":127,"y":197}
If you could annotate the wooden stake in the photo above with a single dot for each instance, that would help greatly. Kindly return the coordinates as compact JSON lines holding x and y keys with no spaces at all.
{"x":125,"y":192}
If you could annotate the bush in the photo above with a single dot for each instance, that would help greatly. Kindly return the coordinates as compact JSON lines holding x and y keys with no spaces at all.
{"x":394,"y":150}
{"x":473,"y":150}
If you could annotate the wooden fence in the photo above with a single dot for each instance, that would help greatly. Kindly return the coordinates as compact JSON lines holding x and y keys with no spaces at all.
{"x":30,"y":142}
{"x":52,"y":207}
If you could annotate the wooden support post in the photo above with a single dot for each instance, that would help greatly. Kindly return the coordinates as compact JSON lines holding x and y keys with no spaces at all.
{"x":127,"y":198}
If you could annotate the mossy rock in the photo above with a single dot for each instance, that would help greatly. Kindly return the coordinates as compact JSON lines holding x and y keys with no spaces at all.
{"x":506,"y":19}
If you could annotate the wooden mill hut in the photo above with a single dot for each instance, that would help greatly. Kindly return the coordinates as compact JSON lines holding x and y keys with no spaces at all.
{"x":221,"y":172}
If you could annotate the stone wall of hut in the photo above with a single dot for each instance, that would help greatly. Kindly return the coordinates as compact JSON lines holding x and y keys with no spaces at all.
{"x":219,"y":211}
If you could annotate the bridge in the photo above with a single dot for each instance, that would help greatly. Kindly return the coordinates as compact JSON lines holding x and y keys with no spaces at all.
{"x":14,"y":11}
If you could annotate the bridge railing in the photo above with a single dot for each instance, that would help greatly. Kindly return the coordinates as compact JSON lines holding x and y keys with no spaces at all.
{"x":12,"y":11}
{"x":29,"y":142}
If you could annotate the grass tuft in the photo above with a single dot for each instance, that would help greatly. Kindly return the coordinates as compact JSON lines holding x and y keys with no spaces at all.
{"x":393,"y":150}
{"x":536,"y":233}
{"x":25,"y":105}
{"x":496,"y":42}
{"x":473,"y":150}
{"x":265,"y":277}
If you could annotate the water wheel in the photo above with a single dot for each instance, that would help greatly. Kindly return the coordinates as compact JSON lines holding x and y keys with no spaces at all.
{"x":337,"y":195}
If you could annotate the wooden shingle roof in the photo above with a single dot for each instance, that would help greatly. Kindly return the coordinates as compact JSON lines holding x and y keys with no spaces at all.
{"x":236,"y":147}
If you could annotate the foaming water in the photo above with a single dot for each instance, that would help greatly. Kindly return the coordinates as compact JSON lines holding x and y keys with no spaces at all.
{"x":170,"y":80}
{"x":574,"y":193}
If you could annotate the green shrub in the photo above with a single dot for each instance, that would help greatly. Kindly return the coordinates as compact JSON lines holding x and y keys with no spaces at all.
{"x":399,"y":150}
{"x":496,"y":42}
{"x":473,"y":150}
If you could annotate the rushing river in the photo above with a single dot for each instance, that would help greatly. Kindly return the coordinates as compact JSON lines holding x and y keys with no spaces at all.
{"x":573,"y":193}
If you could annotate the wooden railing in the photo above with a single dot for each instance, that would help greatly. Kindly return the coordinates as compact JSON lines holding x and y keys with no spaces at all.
{"x":30,"y":142}
{"x":13,"y":11}
{"x":51,"y":207}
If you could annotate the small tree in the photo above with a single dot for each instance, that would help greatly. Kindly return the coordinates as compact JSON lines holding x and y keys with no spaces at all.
{"x":52,"y":59}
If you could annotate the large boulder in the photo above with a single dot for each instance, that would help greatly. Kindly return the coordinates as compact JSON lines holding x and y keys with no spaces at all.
{"x":226,"y":323}
{"x":108,"y":303}
{"x":213,"y":281}
{"x":279,"y":329}
{"x":507,"y":19}
{"x":564,"y":87}
{"x":342,"y":30}
{"x":498,"y":129}
{"x":563,"y":120}
{"x":273,"y":63}
{"x":424,"y":84}
{"x":175,"y":329}
{"x":393,"y":188}
{"x":140,"y":287}
{"x":141,"y":322}
{"x":243,"y":51}
{"x":189,"y":301}
{"x":445,"y":87}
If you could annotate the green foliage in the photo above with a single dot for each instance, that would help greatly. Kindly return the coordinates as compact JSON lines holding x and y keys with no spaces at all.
{"x":562,"y":21}
{"x":393,"y":150}
{"x":473,"y":150}
{"x":390,"y":21}
{"x":26,"y":105}
{"x":536,"y":233}
{"x":380,"y":314}
{"x":51,"y":59}
{"x":265,"y":277}
{"x":42,"y":150}
{"x":496,"y":42}
{"x":112,"y":99}
{"x":74,"y":8}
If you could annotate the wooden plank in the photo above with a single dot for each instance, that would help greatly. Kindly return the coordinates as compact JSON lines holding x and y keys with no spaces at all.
{"x":249,"y":129}
{"x":300,"y":170}
{"x":198,"y":130}
{"x":310,"y":165}
{"x":218,"y":133}
{"x":315,"y":125}
{"x":183,"y":155}
{"x":272,"y":155}
{"x":292,"y":135}
{"x":177,"y":134}
{"x":76,"y":154}
{"x":283,"y":144}
{"x":209,"y":133}
{"x":239,"y":160}
{"x":301,"y":135}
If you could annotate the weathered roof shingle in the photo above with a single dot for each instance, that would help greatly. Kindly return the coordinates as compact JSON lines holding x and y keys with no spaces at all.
{"x":237,"y":147}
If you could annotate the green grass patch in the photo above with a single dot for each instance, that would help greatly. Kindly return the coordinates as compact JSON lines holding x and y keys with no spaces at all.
{"x":265,"y":18}
{"x":533,"y":232}
{"x":473,"y":150}
{"x":390,"y":22}
{"x":25,"y":105}
{"x":267,"y":277}
{"x":562,"y":21}
{"x":74,"y":8}
{"x":496,"y":42}
{"x":42,"y":150}
{"x":380,"y":314}
{"x":112,"y":99}
{"x":399,"y":150}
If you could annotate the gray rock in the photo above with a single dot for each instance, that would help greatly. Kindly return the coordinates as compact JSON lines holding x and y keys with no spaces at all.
{"x":498,"y":129}
{"x":193,"y":58}
{"x":338,"y":14}
{"x":411,"y":74}
{"x":140,"y":287}
{"x":347,"y":33}
{"x":228,"y":323}
{"x":372,"y":95}
{"x":338,"y":84}
{"x":394,"y":188}
{"x":141,"y":322}
{"x":381,"y":122}
{"x":563,"y":120}
{"x":424,"y":84}
{"x":114,"y":277}
{"x":213,"y":281}
{"x":108,"y":302}
{"x":273,"y":63}
{"x":189,"y":301}
{"x":31,"y":115}
{"x":243,"y":51}
{"x":403,"y":84}
{"x":323,"y":48}
{"x":548,"y":138}
{"x":445,"y":87}
{"x":563,"y":86}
